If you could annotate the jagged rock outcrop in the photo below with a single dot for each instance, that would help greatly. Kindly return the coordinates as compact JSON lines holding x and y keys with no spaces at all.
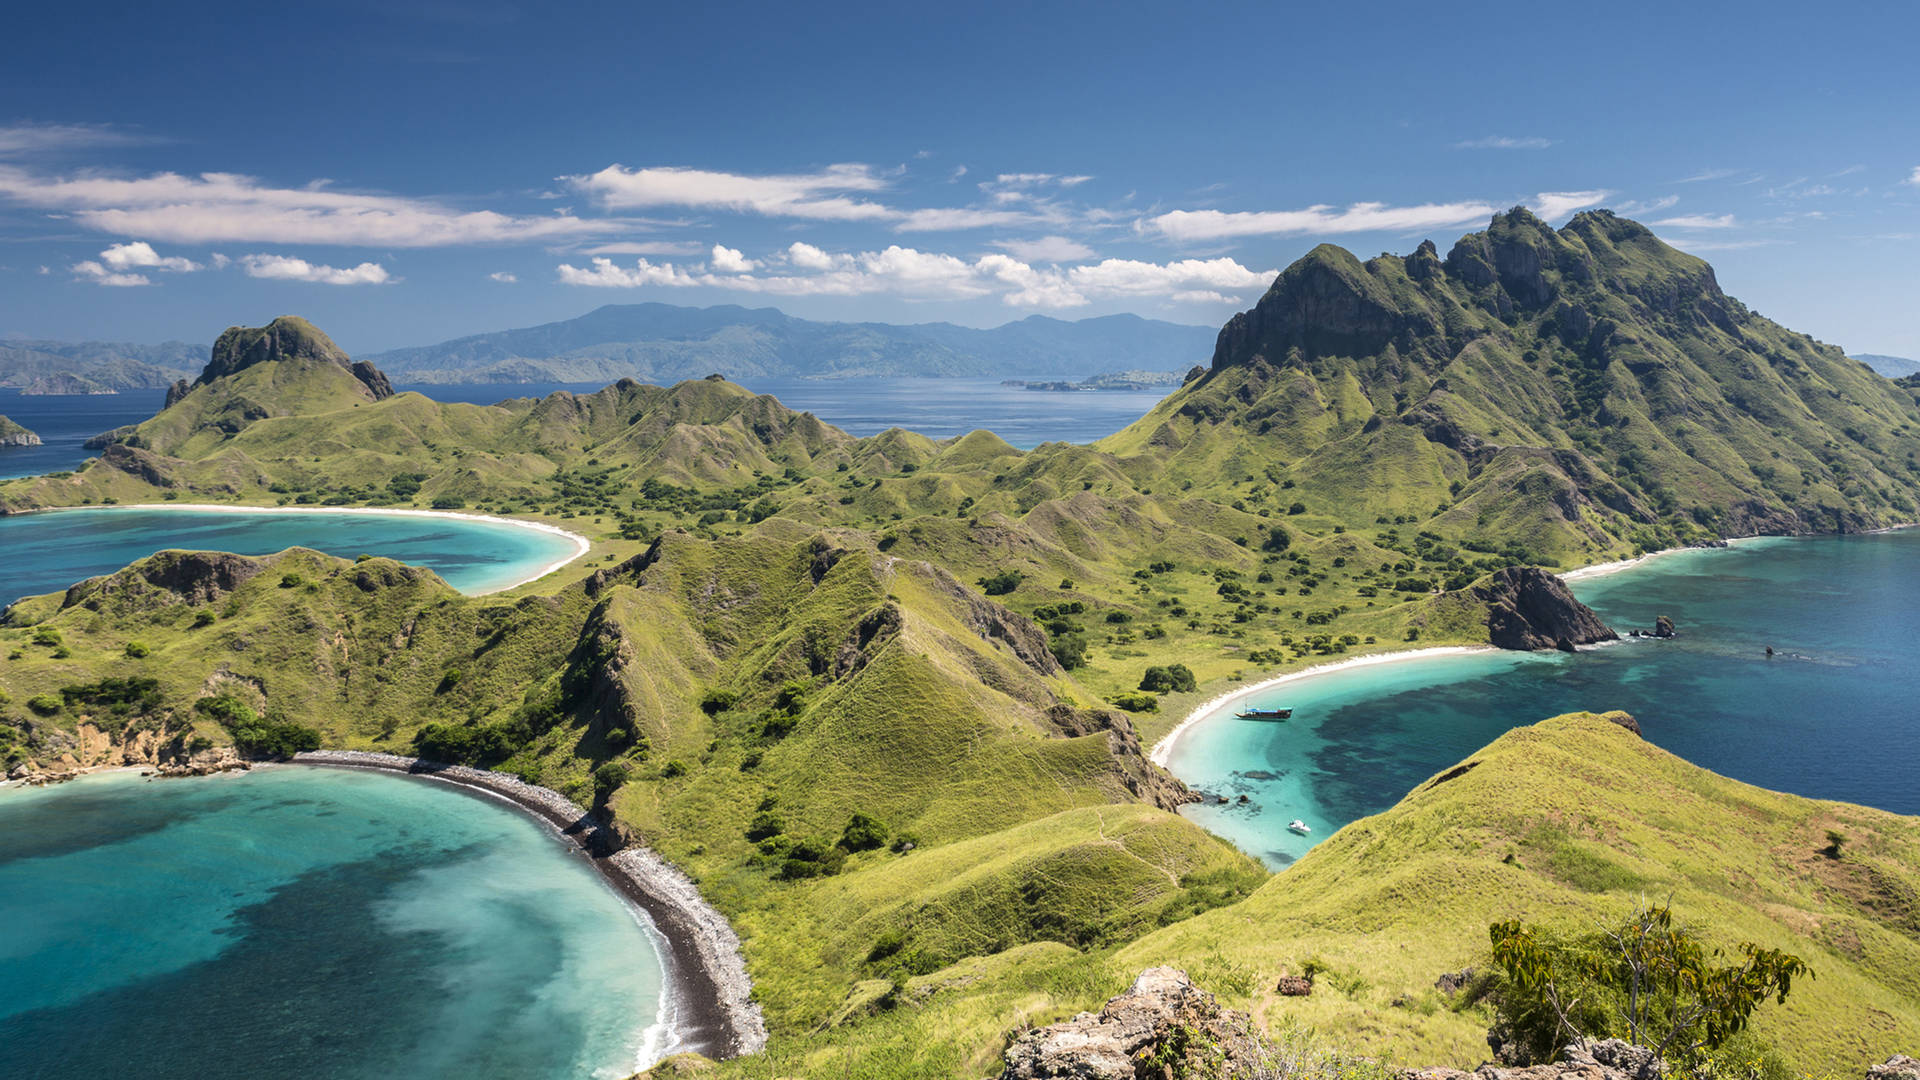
{"x":1145,"y":1022}
{"x":192,"y":577}
{"x":12,"y":434}
{"x":1897,"y":1067}
{"x":1609,"y":1059}
{"x":1142,"y":778}
{"x":1528,"y":608}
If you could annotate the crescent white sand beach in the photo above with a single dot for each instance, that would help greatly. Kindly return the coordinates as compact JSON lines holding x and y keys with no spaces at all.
{"x":1163,"y":749}
{"x":581,"y":545}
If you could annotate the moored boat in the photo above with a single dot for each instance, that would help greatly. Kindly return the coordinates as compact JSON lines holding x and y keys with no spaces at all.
{"x":1296,"y":825}
{"x":1264,"y":714}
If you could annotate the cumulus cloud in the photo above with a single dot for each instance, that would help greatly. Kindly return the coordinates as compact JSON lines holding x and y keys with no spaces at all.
{"x":803,"y":269}
{"x":1055,"y":249}
{"x":1321,"y":220}
{"x":121,"y":265}
{"x":1914,"y":178}
{"x":730,"y":261}
{"x":216,"y":208}
{"x":288,"y":268}
{"x":1697,"y":221}
{"x":503,"y":277}
{"x":818,"y":195}
{"x":140,"y":254}
{"x":1505,"y":142}
{"x":1553,"y":205}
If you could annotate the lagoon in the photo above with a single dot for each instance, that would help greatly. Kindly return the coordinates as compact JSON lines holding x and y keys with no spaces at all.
{"x":50,"y":550}
{"x":300,"y":921}
{"x":1832,"y":715}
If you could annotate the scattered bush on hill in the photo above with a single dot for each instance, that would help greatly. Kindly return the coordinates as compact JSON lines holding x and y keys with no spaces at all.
{"x":863,"y":833}
{"x":255,"y":735}
{"x":1001,"y":583}
{"x":1645,"y":980}
{"x":1137,"y":702}
{"x":1172,"y":678}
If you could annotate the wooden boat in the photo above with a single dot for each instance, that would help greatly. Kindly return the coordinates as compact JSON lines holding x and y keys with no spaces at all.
{"x":1251,"y":713}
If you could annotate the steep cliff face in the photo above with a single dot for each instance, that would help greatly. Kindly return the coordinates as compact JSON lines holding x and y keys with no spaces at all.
{"x":287,"y":339}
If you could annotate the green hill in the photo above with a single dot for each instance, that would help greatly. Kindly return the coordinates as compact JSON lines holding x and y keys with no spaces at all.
{"x":781,"y":627}
{"x":12,"y":434}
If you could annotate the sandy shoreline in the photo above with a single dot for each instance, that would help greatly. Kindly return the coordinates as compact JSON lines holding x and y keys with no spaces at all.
{"x":581,"y":545}
{"x":710,"y":992}
{"x":1163,"y":749}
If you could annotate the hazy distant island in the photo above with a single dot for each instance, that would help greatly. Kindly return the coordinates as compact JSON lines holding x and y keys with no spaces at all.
{"x":12,"y":434}
{"x":1893,"y":367}
{"x":1108,"y":380}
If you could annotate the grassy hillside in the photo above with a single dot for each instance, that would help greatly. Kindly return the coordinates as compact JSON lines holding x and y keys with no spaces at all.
{"x":882,"y":697}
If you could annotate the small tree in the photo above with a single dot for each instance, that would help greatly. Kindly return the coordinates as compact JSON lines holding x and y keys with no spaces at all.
{"x":1835,"y":841}
{"x":1646,"y":980}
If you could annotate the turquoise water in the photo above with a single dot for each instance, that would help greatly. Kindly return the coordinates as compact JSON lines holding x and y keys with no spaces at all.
{"x":309,"y":922}
{"x":47,"y":552}
{"x":1834,"y":714}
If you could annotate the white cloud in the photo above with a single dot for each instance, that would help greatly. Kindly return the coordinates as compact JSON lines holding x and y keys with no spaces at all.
{"x":228,"y":208}
{"x":818,"y":196}
{"x":120,"y":265}
{"x":100,"y":275}
{"x":731,"y":261}
{"x":1914,"y":178}
{"x":220,"y":262}
{"x":1697,"y":221}
{"x":1553,"y":205}
{"x":20,"y":139}
{"x":949,"y":219}
{"x":1707,"y":175}
{"x":1505,"y":142}
{"x":1322,"y":220}
{"x":503,"y":277}
{"x":1688,"y":243}
{"x":140,"y":254}
{"x":1646,"y":206}
{"x":1056,"y":249}
{"x":646,"y":247}
{"x":288,"y":268}
{"x":923,"y":275}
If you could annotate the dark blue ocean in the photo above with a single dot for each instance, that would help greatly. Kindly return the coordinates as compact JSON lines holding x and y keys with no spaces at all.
{"x":1834,"y":714}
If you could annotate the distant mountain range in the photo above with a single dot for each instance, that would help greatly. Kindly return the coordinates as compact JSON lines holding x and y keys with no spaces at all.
{"x":95,"y":367}
{"x":663,"y":343}
{"x":1893,"y":367}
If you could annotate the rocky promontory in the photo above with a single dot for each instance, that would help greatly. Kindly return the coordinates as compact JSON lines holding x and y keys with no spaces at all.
{"x":1528,"y":608}
{"x":12,"y":434}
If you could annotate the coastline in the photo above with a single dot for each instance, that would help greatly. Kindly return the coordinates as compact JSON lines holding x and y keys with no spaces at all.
{"x":1162,"y":748}
{"x":709,"y":990}
{"x":581,"y":545}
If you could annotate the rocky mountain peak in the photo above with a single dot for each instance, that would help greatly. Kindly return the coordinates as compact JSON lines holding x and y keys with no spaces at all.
{"x":288,"y":338}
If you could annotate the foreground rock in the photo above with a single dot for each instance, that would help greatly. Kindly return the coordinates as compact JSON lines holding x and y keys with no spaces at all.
{"x":1528,"y":608}
{"x":1610,"y":1059}
{"x":1160,"y":1020}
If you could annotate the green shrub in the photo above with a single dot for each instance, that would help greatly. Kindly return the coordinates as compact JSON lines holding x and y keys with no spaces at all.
{"x":47,"y":635}
{"x":1002,"y":583}
{"x":45,"y":704}
{"x":138,"y":650}
{"x":255,"y":735}
{"x":673,"y":768}
{"x":608,"y":778}
{"x":810,"y":859}
{"x":449,"y":502}
{"x":765,"y":825}
{"x":863,"y":833}
{"x":202,"y":618}
{"x":1173,"y":678}
{"x":1137,"y":702}
{"x":1069,"y":649}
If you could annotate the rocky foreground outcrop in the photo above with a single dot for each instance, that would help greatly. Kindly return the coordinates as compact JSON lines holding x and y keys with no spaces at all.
{"x":285,"y":339}
{"x":1528,"y":608}
{"x":1164,"y":1026}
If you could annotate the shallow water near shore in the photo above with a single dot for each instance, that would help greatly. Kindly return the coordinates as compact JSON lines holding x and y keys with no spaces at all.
{"x":48,"y":551}
{"x":1832,"y":715}
{"x":298,"y":921}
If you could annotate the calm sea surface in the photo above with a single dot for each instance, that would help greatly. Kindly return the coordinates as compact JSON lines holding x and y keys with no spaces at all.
{"x":309,"y":922}
{"x":1834,"y":714}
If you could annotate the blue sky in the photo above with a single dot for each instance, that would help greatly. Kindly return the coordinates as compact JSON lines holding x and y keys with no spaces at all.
{"x":411,"y":171}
